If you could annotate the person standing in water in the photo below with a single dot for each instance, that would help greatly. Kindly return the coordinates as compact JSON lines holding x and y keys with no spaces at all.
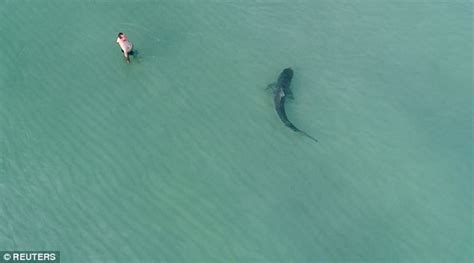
{"x":125,"y":45}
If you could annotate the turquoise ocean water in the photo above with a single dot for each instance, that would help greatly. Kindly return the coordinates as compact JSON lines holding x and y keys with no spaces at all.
{"x":180,"y":156}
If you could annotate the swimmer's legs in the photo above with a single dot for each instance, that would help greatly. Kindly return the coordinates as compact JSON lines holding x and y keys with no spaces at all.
{"x":126,"y":55}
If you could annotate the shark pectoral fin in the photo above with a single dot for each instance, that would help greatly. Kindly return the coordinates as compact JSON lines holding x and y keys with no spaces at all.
{"x":271,"y":86}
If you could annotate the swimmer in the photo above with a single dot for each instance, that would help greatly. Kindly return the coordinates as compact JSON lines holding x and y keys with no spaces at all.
{"x":125,"y":45}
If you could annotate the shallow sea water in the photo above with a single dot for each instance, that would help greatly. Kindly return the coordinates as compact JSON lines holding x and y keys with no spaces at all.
{"x":180,"y":156}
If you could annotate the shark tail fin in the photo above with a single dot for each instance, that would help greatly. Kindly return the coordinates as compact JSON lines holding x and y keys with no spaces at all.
{"x":309,"y":136}
{"x":289,"y":124}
